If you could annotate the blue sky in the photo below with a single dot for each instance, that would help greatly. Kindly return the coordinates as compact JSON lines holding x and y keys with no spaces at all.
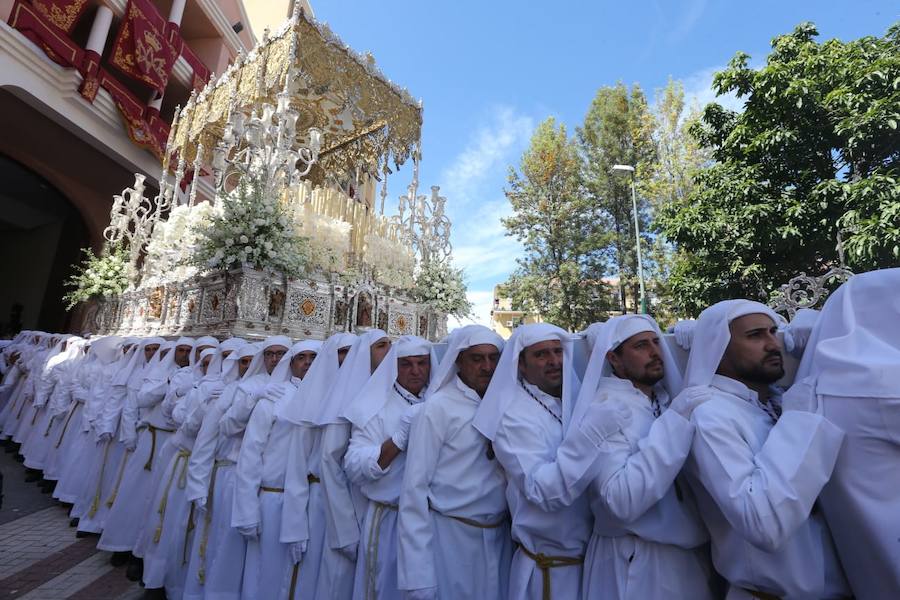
{"x":489,"y":71}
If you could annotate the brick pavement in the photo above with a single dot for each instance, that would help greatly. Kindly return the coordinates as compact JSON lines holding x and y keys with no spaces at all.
{"x":40,"y":557}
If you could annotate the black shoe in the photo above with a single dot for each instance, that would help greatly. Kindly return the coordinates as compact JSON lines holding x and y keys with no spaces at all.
{"x":135,"y":569}
{"x":117,"y":559}
{"x":47,"y":487}
{"x":83,"y":534}
{"x":32,"y":475}
{"x":19,"y":458}
{"x":155,"y":594}
{"x":73,"y":522}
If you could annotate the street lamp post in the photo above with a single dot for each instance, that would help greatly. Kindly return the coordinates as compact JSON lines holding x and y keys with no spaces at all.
{"x":637,"y":234}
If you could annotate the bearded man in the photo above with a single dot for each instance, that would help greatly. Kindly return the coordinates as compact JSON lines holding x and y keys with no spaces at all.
{"x":757,"y":470}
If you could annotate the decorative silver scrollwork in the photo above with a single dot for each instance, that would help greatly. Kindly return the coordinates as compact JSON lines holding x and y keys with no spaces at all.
{"x":426,"y":228}
{"x":807,"y":291}
{"x":132,"y":218}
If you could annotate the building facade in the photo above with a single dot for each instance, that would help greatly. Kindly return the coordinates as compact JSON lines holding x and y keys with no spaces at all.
{"x":88,"y":89}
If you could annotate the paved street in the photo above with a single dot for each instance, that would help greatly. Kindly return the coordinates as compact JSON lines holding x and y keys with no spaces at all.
{"x":40,"y":557}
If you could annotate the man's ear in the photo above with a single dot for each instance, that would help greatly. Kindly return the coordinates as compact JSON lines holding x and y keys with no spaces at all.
{"x":615,"y":362}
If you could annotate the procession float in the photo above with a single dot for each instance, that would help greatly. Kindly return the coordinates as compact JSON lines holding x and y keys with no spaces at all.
{"x":295,"y":138}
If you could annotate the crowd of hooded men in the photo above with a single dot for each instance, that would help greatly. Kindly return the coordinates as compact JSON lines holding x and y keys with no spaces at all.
{"x":366,"y":468}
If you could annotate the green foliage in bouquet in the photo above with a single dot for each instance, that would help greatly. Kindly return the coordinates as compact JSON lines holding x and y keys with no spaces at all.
{"x":98,"y":276}
{"x":251,"y":229}
{"x":443,"y":288}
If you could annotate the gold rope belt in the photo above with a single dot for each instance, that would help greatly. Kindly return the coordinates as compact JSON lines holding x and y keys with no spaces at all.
{"x":545,"y":562}
{"x":275,"y":490}
{"x":468,"y":521}
{"x":62,"y":433}
{"x":310,"y":478}
{"x":207,"y":518}
{"x":115,"y":492}
{"x":153,"y":429}
{"x":49,"y":425}
{"x":294,"y":573}
{"x":96,"y":503}
{"x":21,"y":407}
{"x":182,"y":457}
{"x":372,"y":547}
{"x":187,"y":535}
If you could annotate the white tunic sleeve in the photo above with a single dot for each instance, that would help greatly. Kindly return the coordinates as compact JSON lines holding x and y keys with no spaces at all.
{"x":111,"y":411}
{"x":765,"y":496}
{"x":549,"y":477}
{"x":238,"y":414}
{"x":204,"y":451}
{"x":361,"y":460}
{"x":130,"y":417}
{"x":248,"y":474}
{"x":632,"y":480}
{"x":341,"y":525}
{"x":294,"y":515}
{"x":415,"y":562}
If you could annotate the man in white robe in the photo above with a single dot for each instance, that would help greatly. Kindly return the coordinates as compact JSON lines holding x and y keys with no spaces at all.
{"x":304,"y":516}
{"x":171,"y":521}
{"x":454,"y":539}
{"x":757,"y":470}
{"x":75,"y":438}
{"x":648,"y":540}
{"x":216,"y":566}
{"x":526,"y":412}
{"x":381,"y":415}
{"x":127,"y":516}
{"x":346,"y":505}
{"x":59,"y":405}
{"x":260,"y":485}
{"x":850,"y":374}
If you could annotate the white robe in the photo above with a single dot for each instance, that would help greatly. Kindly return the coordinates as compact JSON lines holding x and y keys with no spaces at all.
{"x":861,"y":502}
{"x":376,"y":567}
{"x":758,"y":483}
{"x":648,"y":540}
{"x":545,"y":491}
{"x":259,"y":499}
{"x":323,"y":569}
{"x":216,"y":574}
{"x":345,"y":508}
{"x":450,"y":473}
{"x":127,"y":517}
{"x":167,"y":553}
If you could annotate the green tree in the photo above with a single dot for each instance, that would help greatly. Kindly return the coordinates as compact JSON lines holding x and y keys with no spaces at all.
{"x":560,"y":275}
{"x":618,"y":130}
{"x":813,"y":155}
{"x":677,"y":161}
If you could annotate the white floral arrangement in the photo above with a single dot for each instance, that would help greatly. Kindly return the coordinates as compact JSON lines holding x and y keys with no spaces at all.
{"x":98,"y":276}
{"x":174,"y":242}
{"x":443,"y":288}
{"x":328,"y":238}
{"x":392,"y":262}
{"x":250,"y":229}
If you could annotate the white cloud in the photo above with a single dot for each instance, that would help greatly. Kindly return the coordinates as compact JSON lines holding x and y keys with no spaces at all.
{"x":472,"y":178}
{"x":482,"y":301}
{"x":488,"y":152}
{"x":698,"y":89}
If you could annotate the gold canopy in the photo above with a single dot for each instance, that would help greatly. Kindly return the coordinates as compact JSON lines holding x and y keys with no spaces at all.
{"x":366,"y":119}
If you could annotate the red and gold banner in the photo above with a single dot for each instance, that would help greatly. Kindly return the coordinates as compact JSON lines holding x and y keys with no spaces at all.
{"x":62,"y":13}
{"x":142,"y":49}
{"x":35,"y":25}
